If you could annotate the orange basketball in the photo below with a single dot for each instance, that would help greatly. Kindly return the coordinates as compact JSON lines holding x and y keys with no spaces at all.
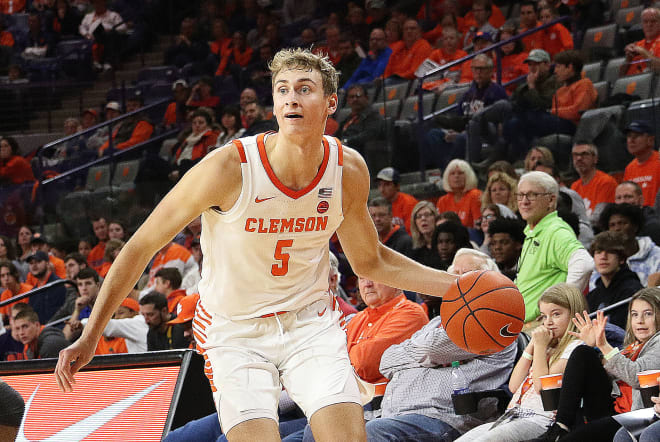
{"x":483,"y":312}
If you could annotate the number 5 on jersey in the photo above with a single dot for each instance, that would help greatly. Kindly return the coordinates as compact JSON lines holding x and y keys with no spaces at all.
{"x":282,"y":268}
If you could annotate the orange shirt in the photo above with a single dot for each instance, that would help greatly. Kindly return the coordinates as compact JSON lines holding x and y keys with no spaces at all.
{"x":402,"y":208}
{"x":24,"y":288}
{"x":569,"y":101}
{"x":16,"y":170}
{"x":647,"y":175}
{"x":104,"y":269}
{"x":653,"y":47}
{"x":110,"y":346}
{"x":34,"y":282}
{"x":599,"y":190}
{"x":240,"y":58}
{"x":170,"y":114}
{"x":374,"y":330}
{"x":58,"y":266}
{"x":513,"y":66}
{"x":6,"y":39}
{"x":467,"y":208}
{"x":533,"y":41}
{"x":95,"y":257}
{"x":441,"y":57}
{"x":404,"y":62}
{"x":555,"y":39}
{"x":11,"y":7}
{"x":174,"y":252}
{"x":173,"y":299}
{"x":142,"y":132}
{"x":496,"y":18}
{"x":334,"y":56}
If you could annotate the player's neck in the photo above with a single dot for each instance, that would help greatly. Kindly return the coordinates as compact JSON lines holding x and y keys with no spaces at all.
{"x":295,"y":160}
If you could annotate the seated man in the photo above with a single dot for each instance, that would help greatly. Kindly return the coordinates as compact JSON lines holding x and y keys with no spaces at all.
{"x":388,"y":319}
{"x":168,"y":282}
{"x":506,"y":240}
{"x":392,"y":235}
{"x":38,"y":341}
{"x":388,"y":181}
{"x":126,"y":332}
{"x":173,"y":255}
{"x":631,"y":193}
{"x":87,"y":281}
{"x":645,"y":168}
{"x":47,"y":303}
{"x":363,"y":124}
{"x":185,"y":315}
{"x":645,"y":49}
{"x":374,"y":64}
{"x":132,"y":130}
{"x":161,"y":335}
{"x":408,"y":54}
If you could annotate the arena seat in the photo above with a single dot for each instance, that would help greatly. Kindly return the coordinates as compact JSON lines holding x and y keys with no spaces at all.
{"x":451,"y":96}
{"x":411,"y":104}
{"x":599,"y":42}
{"x":390,"y":109}
{"x":628,"y":17}
{"x":396,"y":91}
{"x":593,"y":71}
{"x":602,"y":89}
{"x":640,"y":85}
{"x":612,"y":69}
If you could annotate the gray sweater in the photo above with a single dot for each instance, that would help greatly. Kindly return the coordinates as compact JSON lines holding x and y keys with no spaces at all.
{"x":622,"y":368}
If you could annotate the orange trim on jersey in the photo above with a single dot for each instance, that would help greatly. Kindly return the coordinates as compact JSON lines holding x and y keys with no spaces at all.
{"x":340,"y":152}
{"x":241,"y":150}
{"x":295,"y":194}
{"x":270,"y":315}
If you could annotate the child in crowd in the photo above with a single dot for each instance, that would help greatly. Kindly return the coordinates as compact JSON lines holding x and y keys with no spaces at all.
{"x":547,"y":353}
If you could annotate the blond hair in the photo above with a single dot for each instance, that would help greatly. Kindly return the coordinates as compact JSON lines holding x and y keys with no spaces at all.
{"x":569,"y":297}
{"x":304,"y":59}
{"x":509,"y":182}
{"x":417,"y":238}
{"x":470,"y":177}
{"x":651,"y":295}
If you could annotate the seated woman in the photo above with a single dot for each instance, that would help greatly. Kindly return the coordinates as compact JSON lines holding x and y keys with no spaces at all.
{"x":230,"y":120}
{"x":513,"y":57}
{"x":535,"y":154}
{"x":424,"y":216}
{"x":463,"y":197}
{"x":588,"y":380}
{"x":195,"y":146}
{"x":547,"y":353}
{"x":14,"y":169}
{"x":491,"y":212}
{"x":500,"y":189}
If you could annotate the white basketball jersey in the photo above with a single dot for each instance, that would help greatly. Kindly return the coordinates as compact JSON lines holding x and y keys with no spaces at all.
{"x":269,"y":252}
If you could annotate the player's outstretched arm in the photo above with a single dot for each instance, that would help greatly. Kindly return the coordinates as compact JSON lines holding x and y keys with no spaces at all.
{"x":359,"y":239}
{"x":216,"y":181}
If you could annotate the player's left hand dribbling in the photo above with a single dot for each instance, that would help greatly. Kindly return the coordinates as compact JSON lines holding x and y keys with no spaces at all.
{"x":71,"y":359}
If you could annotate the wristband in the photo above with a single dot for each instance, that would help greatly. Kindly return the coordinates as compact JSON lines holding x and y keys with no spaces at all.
{"x":527,"y":356}
{"x":611,"y":354}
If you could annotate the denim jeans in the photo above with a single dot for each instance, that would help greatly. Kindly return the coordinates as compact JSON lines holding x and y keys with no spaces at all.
{"x":410,"y":428}
{"x":652,"y":433}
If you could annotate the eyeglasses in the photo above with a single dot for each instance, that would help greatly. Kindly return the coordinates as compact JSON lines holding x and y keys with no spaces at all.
{"x":531,"y":196}
{"x":582,"y":154}
{"x":488,"y":217}
{"x":424,"y":215}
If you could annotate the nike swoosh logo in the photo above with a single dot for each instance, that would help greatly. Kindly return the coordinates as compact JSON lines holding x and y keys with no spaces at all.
{"x":321,"y":314}
{"x":261,"y":200}
{"x":504,"y":331}
{"x":85,"y":427}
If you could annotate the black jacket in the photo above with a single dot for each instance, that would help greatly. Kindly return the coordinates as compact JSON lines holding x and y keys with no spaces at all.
{"x":400,"y":241}
{"x":49,"y":343}
{"x":624,"y":284}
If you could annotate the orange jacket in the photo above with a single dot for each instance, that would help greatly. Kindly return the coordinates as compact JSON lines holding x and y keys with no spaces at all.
{"x":24,"y":288}
{"x":404,"y":62}
{"x":16,"y":170}
{"x":647,"y":175}
{"x":402,"y":207}
{"x":173,"y":299}
{"x":95,"y":257}
{"x":202,"y":147}
{"x":58,"y":266}
{"x":652,"y":46}
{"x":496,"y":18}
{"x":513,"y":66}
{"x":142,"y":132}
{"x":6,"y":39}
{"x":555,"y":39}
{"x":110,"y":346}
{"x":569,"y":101}
{"x":468,"y":208}
{"x":237,"y":57}
{"x":374,"y":330}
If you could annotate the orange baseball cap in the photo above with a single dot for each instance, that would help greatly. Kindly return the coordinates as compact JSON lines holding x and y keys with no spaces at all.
{"x":132,"y":304}
{"x":185,"y":310}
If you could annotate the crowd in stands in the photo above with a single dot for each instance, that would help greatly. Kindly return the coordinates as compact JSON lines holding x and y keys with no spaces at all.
{"x":573,"y":237}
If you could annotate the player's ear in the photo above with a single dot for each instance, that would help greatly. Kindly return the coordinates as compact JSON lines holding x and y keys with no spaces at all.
{"x":333,"y":102}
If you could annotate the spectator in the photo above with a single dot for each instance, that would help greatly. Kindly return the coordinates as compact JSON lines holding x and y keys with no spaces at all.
{"x":24,"y":249}
{"x":423,"y":218}
{"x":616,"y":282}
{"x":112,"y":249}
{"x":373,"y":65}
{"x":357,"y":26}
{"x":331,"y":47}
{"x":649,"y":434}
{"x":256,"y":123}
{"x":643,"y":253}
{"x":175,"y":114}
{"x":631,"y":193}
{"x":576,"y":94}
{"x":463,"y":197}
{"x":528,"y":20}
{"x":116,"y":230}
{"x":481,"y":41}
{"x":95,"y":256}
{"x":388,"y":180}
{"x":230,"y":122}
{"x":448,"y":238}
{"x":547,"y":353}
{"x":84,"y":247}
{"x":446,"y":54}
{"x":587,"y":380}
{"x":153,"y":306}
{"x":14,"y":169}
{"x":506,"y":241}
{"x":551,"y":252}
{"x":645,"y":168}
{"x":235,"y":57}
{"x":8,"y":253}
{"x":168,"y":282}
{"x":66,"y":19}
{"x":350,"y":59}
{"x":103,"y":27}
{"x":417,"y":403}
{"x":126,"y":332}
{"x":185,"y":315}
{"x":393,"y":33}
{"x":195,"y":146}
{"x":11,"y":282}
{"x":175,"y":256}
{"x":556,"y":38}
{"x":202,"y":94}
{"x":500,"y":189}
{"x":482,"y":11}
{"x":40,"y":242}
{"x":513,"y":57}
{"x":537,"y":154}
{"x":408,"y":54}
{"x":102,"y":134}
{"x":645,"y":49}
{"x":248,"y":95}
{"x":363,"y":124}
{"x":87,"y":281}
{"x":39,"y":342}
{"x":187,"y":48}
{"x":11,"y":348}
{"x":89,"y":118}
{"x":392,"y":235}
{"x":337,"y":290}
{"x":490,"y":213}
{"x":505,"y":167}
{"x":221,"y":40}
{"x":132,"y":130}
{"x":594,"y":186}
{"x":74,"y":263}
{"x":389,"y":319}
{"x":36,"y":43}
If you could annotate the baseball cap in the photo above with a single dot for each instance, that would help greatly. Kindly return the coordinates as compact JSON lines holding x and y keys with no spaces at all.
{"x":640,"y":126}
{"x":179,"y":82}
{"x":483,"y":35}
{"x":375,"y":4}
{"x":39,"y":255}
{"x":538,"y":55}
{"x":388,"y":174}
{"x":185,"y":310}
{"x":113,"y":105}
{"x":131,"y":304}
{"x":38,"y":238}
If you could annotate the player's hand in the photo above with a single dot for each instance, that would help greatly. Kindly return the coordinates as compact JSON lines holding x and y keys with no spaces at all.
{"x":585,"y":328}
{"x":72,"y":359}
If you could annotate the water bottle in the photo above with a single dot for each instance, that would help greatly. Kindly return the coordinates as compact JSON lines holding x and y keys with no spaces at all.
{"x":460,"y":383}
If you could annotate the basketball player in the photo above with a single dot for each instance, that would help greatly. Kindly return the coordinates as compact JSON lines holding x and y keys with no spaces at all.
{"x":265,"y":319}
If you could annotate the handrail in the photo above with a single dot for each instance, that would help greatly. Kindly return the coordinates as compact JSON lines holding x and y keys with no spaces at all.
{"x":37,"y":291}
{"x":110,"y":157}
{"x":611,"y":307}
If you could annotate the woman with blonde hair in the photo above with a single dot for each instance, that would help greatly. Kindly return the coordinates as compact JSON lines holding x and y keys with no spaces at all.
{"x":547,"y":353}
{"x":423,"y":219}
{"x":535,"y":154}
{"x":463,"y":197}
{"x":500,"y":189}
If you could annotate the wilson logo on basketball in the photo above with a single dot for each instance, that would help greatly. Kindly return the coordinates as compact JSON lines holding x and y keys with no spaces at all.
{"x":322,"y":207}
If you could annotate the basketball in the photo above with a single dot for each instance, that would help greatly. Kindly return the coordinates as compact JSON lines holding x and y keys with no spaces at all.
{"x":483,"y":312}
